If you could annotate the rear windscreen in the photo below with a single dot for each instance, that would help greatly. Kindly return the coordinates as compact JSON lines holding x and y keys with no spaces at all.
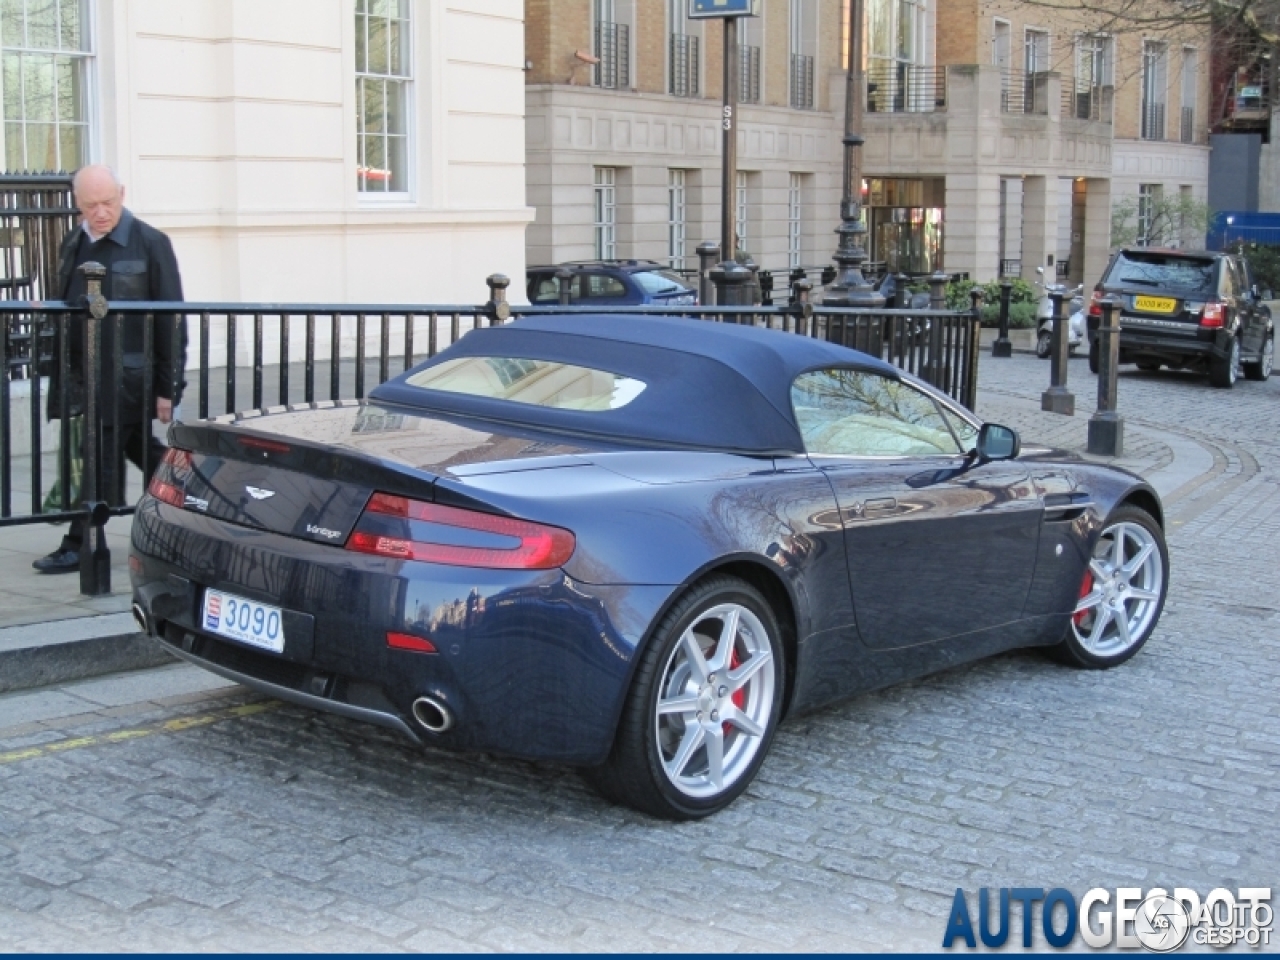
{"x":543,"y":383}
{"x":1164,"y":271}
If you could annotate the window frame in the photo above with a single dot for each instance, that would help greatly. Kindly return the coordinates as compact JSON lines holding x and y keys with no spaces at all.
{"x":605,"y":212}
{"x":87,"y":56}
{"x":406,"y":84}
{"x":677,"y":216}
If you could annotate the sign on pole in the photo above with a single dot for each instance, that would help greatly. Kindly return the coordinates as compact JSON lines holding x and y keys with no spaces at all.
{"x":705,"y":9}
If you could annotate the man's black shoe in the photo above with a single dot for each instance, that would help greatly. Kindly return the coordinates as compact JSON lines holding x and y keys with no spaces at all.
{"x":61,"y":560}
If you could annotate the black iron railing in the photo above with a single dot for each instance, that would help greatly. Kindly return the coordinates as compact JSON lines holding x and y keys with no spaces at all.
{"x":1153,"y":121}
{"x":749,"y":74}
{"x":613,"y":47}
{"x":36,"y":212}
{"x":905,"y":88}
{"x":1082,"y":100}
{"x":802,"y":81}
{"x":684,"y":65}
{"x":256,"y":356}
{"x":1024,"y":92}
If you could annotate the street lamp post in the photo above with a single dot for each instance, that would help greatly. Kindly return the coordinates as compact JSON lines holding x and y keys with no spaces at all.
{"x":851,"y":288}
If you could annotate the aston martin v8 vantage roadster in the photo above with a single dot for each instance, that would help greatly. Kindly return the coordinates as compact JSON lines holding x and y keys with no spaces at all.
{"x":632,"y":547}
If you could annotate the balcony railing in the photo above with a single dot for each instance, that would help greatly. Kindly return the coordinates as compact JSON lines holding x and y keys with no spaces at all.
{"x":613,"y":47}
{"x":749,"y":74}
{"x":1024,"y":92}
{"x":903,"y":88}
{"x":1082,"y":100}
{"x":1188,"y":126}
{"x":801,"y":81}
{"x":1153,"y":121}
{"x":684,"y":65}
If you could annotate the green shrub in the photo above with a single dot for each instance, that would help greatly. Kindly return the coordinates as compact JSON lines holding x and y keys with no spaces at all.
{"x":1265,"y":264}
{"x":1022,"y":316}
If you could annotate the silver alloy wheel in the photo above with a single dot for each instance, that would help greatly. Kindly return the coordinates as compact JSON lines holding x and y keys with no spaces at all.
{"x":1124,"y":595}
{"x":715,"y":700}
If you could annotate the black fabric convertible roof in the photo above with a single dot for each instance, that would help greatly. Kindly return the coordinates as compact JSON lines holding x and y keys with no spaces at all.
{"x":712,"y":386}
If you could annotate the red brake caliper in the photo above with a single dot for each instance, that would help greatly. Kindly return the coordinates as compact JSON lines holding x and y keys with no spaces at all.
{"x":1085,"y":586}
{"x":739,"y":696}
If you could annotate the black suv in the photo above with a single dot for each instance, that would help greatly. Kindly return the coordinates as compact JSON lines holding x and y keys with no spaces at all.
{"x":1186,"y":309}
{"x":612,"y":283}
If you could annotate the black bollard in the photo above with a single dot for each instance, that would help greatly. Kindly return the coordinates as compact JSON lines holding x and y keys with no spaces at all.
{"x":498,"y":310}
{"x":1058,"y":399}
{"x":733,"y":287}
{"x":1002,"y":347}
{"x":1106,"y":426}
{"x":938,"y":290}
{"x":708,"y":255}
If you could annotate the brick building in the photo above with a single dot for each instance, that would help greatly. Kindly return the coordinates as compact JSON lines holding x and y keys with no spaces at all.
{"x":999,"y":133}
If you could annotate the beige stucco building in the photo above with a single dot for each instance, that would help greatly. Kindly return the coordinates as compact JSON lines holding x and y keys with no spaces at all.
{"x":295,"y":150}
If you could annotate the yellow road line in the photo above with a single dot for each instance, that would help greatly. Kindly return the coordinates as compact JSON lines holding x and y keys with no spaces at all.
{"x":119,"y":736}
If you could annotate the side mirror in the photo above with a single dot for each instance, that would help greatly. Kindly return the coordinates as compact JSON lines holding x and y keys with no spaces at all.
{"x":997,"y":442}
{"x":1040,"y":271}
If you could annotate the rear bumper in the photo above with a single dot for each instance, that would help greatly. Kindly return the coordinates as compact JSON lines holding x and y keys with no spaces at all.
{"x":1169,"y":343}
{"x":529,"y":663}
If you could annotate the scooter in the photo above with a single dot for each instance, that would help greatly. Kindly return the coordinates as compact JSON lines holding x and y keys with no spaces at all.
{"x":1044,"y":317}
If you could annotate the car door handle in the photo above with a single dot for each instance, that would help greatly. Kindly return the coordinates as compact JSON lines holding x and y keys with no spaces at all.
{"x":880,"y":503}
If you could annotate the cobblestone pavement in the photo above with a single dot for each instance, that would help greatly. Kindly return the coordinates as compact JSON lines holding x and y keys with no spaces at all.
{"x":216,"y":820}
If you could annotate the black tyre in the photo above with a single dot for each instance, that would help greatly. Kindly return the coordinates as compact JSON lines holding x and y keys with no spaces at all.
{"x":1044,"y":344}
{"x":1122,"y":593}
{"x":1095,"y":357}
{"x":703,"y":706}
{"x":1224,"y":371}
{"x":1260,"y":369}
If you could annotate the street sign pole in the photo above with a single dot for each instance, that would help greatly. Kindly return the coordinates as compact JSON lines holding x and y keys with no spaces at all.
{"x":729,"y":148}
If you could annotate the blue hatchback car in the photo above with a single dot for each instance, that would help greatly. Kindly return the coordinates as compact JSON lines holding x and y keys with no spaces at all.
{"x":612,"y":283}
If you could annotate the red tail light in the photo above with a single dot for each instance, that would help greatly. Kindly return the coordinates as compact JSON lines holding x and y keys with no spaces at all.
{"x":1095,"y":304}
{"x":1213,"y":315}
{"x":160,"y":487}
{"x":537,"y":547}
{"x":267,"y":446}
{"x":407,"y":641}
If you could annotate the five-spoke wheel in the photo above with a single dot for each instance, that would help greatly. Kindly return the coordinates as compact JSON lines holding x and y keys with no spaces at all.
{"x":703,"y":708}
{"x":1122,"y":592}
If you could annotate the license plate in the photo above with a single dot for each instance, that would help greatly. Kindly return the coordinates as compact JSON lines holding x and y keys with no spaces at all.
{"x":1155,"y":304}
{"x":248,"y":621}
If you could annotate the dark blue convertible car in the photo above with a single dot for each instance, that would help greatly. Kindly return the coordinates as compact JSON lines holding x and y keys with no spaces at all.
{"x":632,"y":547}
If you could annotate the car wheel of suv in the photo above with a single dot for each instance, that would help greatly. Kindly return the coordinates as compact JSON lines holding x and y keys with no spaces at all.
{"x":1044,"y":344}
{"x":1261,"y":368}
{"x":1223,"y":371}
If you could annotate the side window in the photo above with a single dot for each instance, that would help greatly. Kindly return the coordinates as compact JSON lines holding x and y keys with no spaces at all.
{"x":544,"y":289}
{"x":858,"y":414}
{"x":965,"y":431}
{"x":603,"y":286}
{"x":1229,"y":284}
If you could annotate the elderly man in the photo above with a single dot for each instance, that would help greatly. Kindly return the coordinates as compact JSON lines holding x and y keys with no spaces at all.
{"x":140,"y":266}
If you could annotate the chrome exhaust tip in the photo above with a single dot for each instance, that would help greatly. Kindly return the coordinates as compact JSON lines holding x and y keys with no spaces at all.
{"x":433,"y":715}
{"x":140,"y":616}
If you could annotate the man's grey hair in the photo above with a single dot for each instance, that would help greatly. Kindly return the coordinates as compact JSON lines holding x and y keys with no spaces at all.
{"x":75,"y":180}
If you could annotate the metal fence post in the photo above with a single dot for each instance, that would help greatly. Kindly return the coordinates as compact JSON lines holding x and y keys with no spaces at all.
{"x":801,"y":308}
{"x":708,"y":256}
{"x":971,"y":362}
{"x":497,"y":309}
{"x":900,"y":293}
{"x":95,"y":556}
{"x":753,"y":282}
{"x":732,"y":282}
{"x":766,"y":287}
{"x":1106,"y":426}
{"x":1002,"y":347}
{"x":564,"y":281}
{"x":938,"y":290}
{"x":1058,"y":399}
